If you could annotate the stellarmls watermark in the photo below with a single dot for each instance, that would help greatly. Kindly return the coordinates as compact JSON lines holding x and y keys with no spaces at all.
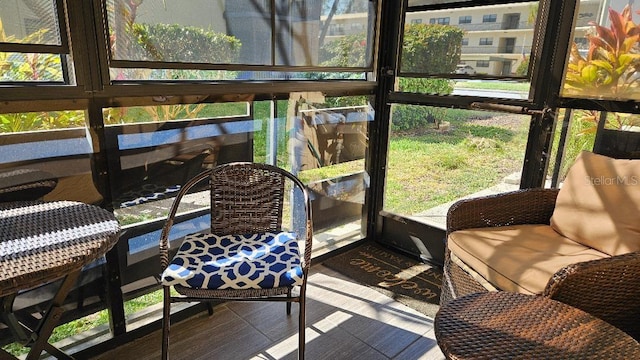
{"x":613,"y":180}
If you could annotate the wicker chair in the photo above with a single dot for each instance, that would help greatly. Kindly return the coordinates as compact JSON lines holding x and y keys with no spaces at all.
{"x":247,"y":255}
{"x":607,"y":288}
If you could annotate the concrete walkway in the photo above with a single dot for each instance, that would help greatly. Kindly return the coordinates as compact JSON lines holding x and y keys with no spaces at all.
{"x":437,"y":216}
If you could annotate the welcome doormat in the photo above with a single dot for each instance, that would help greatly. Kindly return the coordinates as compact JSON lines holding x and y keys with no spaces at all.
{"x":402,"y":278}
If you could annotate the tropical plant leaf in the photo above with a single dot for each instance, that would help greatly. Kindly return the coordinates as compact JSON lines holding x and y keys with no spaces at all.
{"x":603,"y":64}
{"x":590,"y":73}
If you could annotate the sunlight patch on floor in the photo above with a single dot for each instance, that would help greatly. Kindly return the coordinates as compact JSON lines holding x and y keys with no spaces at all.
{"x":313,"y":331}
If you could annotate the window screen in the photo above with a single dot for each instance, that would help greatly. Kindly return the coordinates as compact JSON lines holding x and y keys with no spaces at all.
{"x":33,"y":46}
{"x":213,"y":34}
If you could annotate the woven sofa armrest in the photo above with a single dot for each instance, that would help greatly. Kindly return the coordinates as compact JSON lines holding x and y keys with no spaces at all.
{"x":527,"y":206}
{"x":606,"y":288}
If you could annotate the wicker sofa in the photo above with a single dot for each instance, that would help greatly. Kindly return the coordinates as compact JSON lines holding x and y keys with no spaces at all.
{"x":579,"y":245}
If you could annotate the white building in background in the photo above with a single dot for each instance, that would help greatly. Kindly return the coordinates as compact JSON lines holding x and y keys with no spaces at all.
{"x":497,"y":37}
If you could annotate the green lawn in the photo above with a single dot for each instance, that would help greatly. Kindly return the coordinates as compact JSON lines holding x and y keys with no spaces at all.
{"x":429,"y":169}
{"x":493,"y":85}
{"x":89,"y":322}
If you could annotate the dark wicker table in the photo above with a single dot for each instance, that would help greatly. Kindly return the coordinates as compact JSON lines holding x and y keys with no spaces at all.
{"x":41,"y":242}
{"x":504,"y":325}
{"x":25,"y":184}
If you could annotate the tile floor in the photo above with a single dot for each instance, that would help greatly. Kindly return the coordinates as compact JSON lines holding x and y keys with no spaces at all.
{"x":345,"y":320}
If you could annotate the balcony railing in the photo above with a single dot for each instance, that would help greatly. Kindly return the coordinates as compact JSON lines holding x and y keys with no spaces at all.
{"x":496,"y":26}
{"x":493,"y":49}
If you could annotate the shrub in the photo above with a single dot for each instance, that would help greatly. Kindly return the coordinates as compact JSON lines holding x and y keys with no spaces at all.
{"x":582,"y":137}
{"x":611,"y":63}
{"x":162,"y":42}
{"x":31,"y":121}
{"x":409,"y":117}
{"x":347,"y":51}
{"x":428,"y":49}
{"x":523,"y":68}
{"x":431,"y":48}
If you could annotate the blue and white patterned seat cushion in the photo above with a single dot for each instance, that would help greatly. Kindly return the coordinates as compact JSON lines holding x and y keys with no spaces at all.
{"x":253,"y":261}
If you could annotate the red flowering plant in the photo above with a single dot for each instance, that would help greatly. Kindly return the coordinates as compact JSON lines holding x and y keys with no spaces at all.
{"x":610,"y":67}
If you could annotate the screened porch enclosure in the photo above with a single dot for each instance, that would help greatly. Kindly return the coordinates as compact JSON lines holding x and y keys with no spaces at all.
{"x":388,"y":111}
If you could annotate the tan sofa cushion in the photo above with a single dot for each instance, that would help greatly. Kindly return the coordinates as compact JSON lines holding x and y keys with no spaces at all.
{"x":519,"y":258}
{"x":599,"y":204}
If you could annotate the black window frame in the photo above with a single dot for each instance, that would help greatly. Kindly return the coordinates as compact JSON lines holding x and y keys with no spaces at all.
{"x":162,"y":65}
{"x":445,"y":20}
{"x":485,"y":41}
{"x":489,"y":18}
{"x":466,"y":19}
{"x":476,"y":6}
{"x":63,"y":50}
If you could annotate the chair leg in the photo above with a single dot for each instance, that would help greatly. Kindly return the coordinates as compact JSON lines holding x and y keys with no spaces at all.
{"x":289,"y":302}
{"x":301,"y":324}
{"x":50,"y":320}
{"x":166,"y":321}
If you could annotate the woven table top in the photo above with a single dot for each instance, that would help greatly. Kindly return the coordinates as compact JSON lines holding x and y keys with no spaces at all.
{"x":43,"y":241}
{"x":504,"y":325}
{"x":25,"y":184}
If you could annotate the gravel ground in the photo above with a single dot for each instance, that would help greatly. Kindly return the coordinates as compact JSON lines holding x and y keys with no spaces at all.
{"x":507,"y":121}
